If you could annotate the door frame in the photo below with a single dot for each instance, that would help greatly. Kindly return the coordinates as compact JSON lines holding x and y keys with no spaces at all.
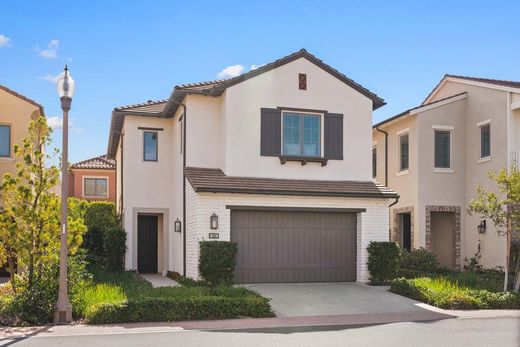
{"x":163,"y":226}
{"x":397,"y":227}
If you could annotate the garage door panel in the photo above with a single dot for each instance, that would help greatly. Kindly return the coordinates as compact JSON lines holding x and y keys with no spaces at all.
{"x":294,"y":246}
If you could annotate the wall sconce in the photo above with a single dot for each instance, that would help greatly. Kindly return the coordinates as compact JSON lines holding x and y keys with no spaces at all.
{"x":178,"y":225}
{"x":213,"y":221}
{"x":482,"y":227}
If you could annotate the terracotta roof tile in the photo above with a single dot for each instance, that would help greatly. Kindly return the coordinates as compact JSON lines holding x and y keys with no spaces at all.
{"x":214,"y":180}
{"x":151,"y":106}
{"x":97,"y":163}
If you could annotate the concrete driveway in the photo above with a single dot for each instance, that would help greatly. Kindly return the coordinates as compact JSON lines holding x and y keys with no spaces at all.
{"x":324,"y":299}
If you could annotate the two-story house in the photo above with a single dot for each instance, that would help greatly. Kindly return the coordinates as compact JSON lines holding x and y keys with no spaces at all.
{"x":276,"y":160}
{"x":435,"y":154}
{"x":93,"y":179}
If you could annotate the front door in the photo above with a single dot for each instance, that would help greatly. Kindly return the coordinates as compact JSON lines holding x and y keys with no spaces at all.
{"x":147,"y":244}
{"x":406,"y":223}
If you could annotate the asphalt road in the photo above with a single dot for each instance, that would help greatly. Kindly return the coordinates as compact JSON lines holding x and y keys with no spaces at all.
{"x":449,"y":332}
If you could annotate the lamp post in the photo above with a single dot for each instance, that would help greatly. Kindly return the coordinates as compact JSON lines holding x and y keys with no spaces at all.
{"x":65,"y":87}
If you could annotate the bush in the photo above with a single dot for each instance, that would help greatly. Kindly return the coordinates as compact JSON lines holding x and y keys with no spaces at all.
{"x":100,"y":216}
{"x":419,"y":260}
{"x":383,"y":261}
{"x":217,"y":261}
{"x":99,"y":294}
{"x":114,"y":248}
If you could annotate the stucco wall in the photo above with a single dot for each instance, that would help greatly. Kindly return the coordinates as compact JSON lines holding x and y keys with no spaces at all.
{"x":372,"y":224}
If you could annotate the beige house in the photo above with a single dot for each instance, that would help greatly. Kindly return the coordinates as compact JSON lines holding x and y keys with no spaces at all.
{"x":16,"y":112}
{"x":435,"y":154}
{"x":276,"y":159}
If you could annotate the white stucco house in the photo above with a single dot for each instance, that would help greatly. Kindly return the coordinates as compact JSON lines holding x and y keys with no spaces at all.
{"x":276,"y":159}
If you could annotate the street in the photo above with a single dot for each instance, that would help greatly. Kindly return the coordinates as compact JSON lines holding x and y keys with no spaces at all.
{"x":448,"y":332}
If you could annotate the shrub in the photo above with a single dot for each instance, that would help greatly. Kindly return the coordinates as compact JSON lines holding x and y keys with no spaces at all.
{"x":383,"y":261}
{"x":102,"y":293}
{"x":114,"y":248}
{"x":99,"y":216}
{"x":419,"y":260}
{"x":217,"y":261}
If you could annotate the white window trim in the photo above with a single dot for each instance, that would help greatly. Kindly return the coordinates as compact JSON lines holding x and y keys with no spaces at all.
{"x":479,"y":137}
{"x":95,"y":196}
{"x":448,"y":128}
{"x":322,"y":131}
{"x":400,"y":133}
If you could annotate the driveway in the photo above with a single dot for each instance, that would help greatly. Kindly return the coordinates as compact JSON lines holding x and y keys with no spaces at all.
{"x":324,"y":299}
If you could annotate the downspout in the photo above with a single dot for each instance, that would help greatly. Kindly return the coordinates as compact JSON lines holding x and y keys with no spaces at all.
{"x":386,"y":159}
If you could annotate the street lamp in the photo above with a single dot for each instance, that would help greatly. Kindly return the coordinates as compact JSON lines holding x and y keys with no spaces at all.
{"x":65,"y":87}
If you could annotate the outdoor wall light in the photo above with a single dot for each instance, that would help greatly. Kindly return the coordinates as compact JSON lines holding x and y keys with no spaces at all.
{"x":213,"y":221}
{"x":482,"y":227}
{"x":178,"y":225}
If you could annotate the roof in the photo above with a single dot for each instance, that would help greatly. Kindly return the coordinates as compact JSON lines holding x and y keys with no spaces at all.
{"x":404,"y":113}
{"x":167,"y":108}
{"x":23,"y":97}
{"x":214,"y":180}
{"x":97,"y":163}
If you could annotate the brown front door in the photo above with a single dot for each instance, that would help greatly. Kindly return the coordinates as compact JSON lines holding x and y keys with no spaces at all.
{"x":442,"y":237}
{"x":281,"y":246}
{"x":147,"y":227}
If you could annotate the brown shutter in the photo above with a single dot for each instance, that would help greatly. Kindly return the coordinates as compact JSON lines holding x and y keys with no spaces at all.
{"x":333,"y":136}
{"x":270,"y":132}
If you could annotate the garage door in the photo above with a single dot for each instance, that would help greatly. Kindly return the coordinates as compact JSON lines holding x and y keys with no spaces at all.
{"x":282,"y":246}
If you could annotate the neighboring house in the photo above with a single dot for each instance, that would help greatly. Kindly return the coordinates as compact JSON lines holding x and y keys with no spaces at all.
{"x":16,"y":112}
{"x":437,"y":154}
{"x":276,"y":159}
{"x":93,"y":179}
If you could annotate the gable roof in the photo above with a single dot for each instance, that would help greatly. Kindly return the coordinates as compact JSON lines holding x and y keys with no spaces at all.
{"x":499,"y":84}
{"x":97,"y":163}
{"x":23,"y":97}
{"x":167,"y":108}
{"x":417,"y":108}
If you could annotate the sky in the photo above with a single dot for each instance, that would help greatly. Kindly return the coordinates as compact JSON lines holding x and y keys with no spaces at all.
{"x":126,"y":52}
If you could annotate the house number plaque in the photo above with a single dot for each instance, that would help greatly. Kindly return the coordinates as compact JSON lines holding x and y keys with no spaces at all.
{"x":213,"y":235}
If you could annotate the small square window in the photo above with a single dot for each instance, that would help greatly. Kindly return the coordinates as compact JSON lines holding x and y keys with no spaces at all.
{"x":302,"y":81}
{"x":150,"y":145}
{"x":95,"y":187}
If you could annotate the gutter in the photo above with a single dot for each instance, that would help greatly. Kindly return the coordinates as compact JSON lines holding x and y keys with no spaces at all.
{"x":386,"y":157}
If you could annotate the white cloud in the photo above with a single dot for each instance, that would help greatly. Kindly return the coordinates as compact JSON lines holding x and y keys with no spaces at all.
{"x":50,"y":78}
{"x":254,"y":66}
{"x":231,"y":71}
{"x":4,"y":41}
{"x":52,"y":50}
{"x":57,"y":123}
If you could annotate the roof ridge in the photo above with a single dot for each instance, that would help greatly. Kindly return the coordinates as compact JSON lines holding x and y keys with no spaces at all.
{"x":480,"y":78}
{"x":104,"y":158}
{"x":146,"y":103}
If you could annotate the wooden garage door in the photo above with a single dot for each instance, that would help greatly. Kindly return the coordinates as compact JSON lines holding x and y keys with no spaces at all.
{"x":280,"y":246}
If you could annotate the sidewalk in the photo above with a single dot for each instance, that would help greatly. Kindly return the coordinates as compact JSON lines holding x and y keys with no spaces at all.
{"x":252,"y":323}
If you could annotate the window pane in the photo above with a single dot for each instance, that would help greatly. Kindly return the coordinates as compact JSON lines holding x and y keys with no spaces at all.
{"x":301,"y":134}
{"x":101,"y":187}
{"x":311,"y":136}
{"x":442,"y":149}
{"x":485,"y":141}
{"x":90,"y":186}
{"x":403,"y":143}
{"x":374,"y":162}
{"x":291,"y":134}
{"x":150,"y":146}
{"x":5,"y":139}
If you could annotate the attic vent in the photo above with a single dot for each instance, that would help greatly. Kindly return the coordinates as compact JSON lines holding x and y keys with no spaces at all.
{"x":302,"y":81}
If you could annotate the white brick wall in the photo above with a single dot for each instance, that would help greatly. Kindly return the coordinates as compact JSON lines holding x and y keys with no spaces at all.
{"x":373,"y":225}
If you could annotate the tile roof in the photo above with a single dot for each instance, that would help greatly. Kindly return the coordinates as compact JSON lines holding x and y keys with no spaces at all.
{"x":97,"y":163}
{"x":214,"y":180}
{"x":23,"y":97}
{"x":512,"y":84}
{"x":151,"y":106}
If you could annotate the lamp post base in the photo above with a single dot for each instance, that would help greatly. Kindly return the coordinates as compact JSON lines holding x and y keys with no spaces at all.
{"x":63,"y":315}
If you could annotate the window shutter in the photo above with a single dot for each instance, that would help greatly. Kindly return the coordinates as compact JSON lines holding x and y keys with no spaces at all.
{"x":333,"y":133}
{"x":270,"y":132}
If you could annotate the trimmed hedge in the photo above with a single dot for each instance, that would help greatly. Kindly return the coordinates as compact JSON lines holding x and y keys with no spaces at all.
{"x":155,"y":309}
{"x":383,"y":261}
{"x":420,"y":260}
{"x":445,"y":294}
{"x":217,"y":261}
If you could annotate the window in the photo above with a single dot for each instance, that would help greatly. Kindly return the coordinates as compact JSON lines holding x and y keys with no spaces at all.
{"x":5,"y":141}
{"x":302,"y":81}
{"x":403,"y":152}
{"x":95,"y":187}
{"x":442,"y":149}
{"x":485,"y":141}
{"x":301,"y":134}
{"x":374,"y":162}
{"x":150,"y":145}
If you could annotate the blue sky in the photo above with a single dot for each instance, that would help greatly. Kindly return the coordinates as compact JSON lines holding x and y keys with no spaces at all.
{"x":124,"y":52}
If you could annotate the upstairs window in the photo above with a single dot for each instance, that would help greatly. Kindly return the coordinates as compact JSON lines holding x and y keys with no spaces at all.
{"x":374,"y":162}
{"x":5,"y":141}
{"x":301,"y":134}
{"x":150,"y":145}
{"x":442,"y":149}
{"x":404,"y":152}
{"x":485,"y":141}
{"x":97,"y":187}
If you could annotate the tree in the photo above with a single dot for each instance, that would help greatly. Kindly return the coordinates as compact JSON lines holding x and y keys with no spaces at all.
{"x":503,"y":209}
{"x":30,"y":224}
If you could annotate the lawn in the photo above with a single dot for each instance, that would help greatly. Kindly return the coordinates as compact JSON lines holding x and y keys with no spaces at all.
{"x":125,"y":297}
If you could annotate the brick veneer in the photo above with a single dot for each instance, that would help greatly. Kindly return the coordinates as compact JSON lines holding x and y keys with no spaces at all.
{"x":396,"y":235}
{"x":456,"y":240}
